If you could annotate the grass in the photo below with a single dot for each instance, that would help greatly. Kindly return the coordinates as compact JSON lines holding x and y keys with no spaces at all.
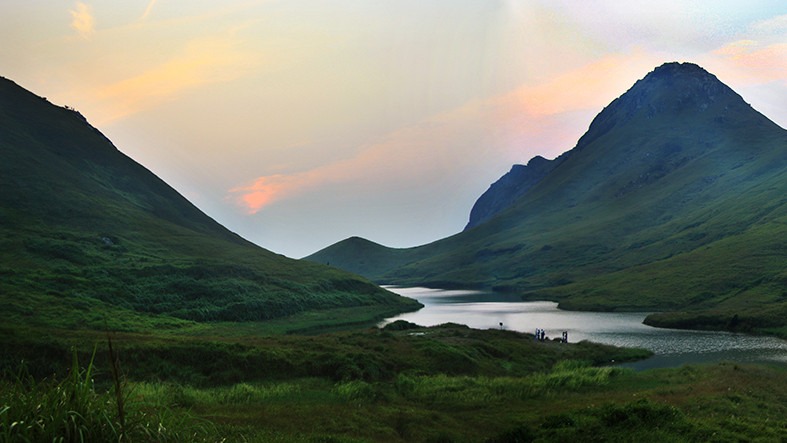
{"x":49,"y":279}
{"x":569,"y":401}
{"x":221,"y":356}
{"x":401,"y":383}
{"x":75,"y":410}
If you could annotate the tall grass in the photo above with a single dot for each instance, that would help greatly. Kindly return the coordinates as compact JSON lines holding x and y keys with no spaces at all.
{"x":74,"y":410}
{"x":66,"y":411}
{"x":174,"y":395}
{"x":565,"y":375}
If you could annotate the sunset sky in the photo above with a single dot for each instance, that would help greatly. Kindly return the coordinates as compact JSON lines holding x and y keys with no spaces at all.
{"x":298,"y":123}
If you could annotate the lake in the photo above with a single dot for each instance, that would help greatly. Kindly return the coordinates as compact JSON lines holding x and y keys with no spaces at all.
{"x":672,"y":347}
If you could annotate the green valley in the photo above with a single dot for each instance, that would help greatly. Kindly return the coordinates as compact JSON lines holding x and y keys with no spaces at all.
{"x":130,"y":315}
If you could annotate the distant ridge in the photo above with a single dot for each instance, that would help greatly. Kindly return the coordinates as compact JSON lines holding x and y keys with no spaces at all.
{"x":86,"y":233}
{"x":673,"y":200}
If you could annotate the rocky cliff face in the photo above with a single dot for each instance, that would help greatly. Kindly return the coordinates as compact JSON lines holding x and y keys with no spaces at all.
{"x":511,"y":186}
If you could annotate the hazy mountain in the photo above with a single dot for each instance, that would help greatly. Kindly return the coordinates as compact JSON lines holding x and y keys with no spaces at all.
{"x":674,"y":199}
{"x":84,"y":228}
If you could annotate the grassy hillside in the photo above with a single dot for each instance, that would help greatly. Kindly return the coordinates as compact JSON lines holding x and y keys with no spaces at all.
{"x":672,"y":200}
{"x":87,"y":233}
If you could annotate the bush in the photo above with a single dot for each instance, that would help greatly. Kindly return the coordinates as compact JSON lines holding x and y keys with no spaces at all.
{"x":357,"y":390}
{"x":400,"y":325}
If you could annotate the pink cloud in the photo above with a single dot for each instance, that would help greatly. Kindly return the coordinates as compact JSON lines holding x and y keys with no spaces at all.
{"x":755,"y":62}
{"x":538,"y":118}
{"x":592,"y":85}
{"x":266,"y":190}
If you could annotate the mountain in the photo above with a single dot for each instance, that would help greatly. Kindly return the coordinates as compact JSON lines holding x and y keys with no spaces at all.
{"x":86,"y":232}
{"x":675,"y":200}
{"x":509,"y":188}
{"x":361,"y":256}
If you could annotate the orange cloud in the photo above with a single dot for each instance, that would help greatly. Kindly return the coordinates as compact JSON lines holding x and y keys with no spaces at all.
{"x":208,"y":60}
{"x":82,"y":20}
{"x":590,"y":86}
{"x":266,"y":190}
{"x":406,"y":156}
{"x":756,"y":62}
{"x":514,"y":126}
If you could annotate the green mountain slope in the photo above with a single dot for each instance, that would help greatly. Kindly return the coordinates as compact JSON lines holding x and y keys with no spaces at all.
{"x":674,"y":199}
{"x":86,"y":232}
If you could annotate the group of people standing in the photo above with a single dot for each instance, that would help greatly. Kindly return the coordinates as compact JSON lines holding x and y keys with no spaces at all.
{"x":541,"y":335}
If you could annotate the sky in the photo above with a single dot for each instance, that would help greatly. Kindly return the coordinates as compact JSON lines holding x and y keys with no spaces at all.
{"x":298,"y":123}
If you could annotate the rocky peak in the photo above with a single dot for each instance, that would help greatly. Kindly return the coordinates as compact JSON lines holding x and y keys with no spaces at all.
{"x":672,"y":90}
{"x":676,"y":87}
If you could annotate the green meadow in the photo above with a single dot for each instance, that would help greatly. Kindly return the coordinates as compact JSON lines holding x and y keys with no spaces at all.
{"x":404,"y":383}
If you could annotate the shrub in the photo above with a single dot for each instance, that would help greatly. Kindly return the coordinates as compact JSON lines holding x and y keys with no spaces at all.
{"x":400,"y":325}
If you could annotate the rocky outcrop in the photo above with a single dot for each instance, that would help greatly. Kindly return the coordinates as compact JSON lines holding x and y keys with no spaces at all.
{"x":511,"y":186}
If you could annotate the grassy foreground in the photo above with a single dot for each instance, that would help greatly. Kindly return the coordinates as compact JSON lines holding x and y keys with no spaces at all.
{"x":403,"y":383}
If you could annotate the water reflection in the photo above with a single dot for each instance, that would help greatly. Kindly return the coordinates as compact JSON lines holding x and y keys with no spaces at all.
{"x":672,"y":347}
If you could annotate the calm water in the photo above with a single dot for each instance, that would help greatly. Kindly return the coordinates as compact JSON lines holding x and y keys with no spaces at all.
{"x":672,"y":347}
